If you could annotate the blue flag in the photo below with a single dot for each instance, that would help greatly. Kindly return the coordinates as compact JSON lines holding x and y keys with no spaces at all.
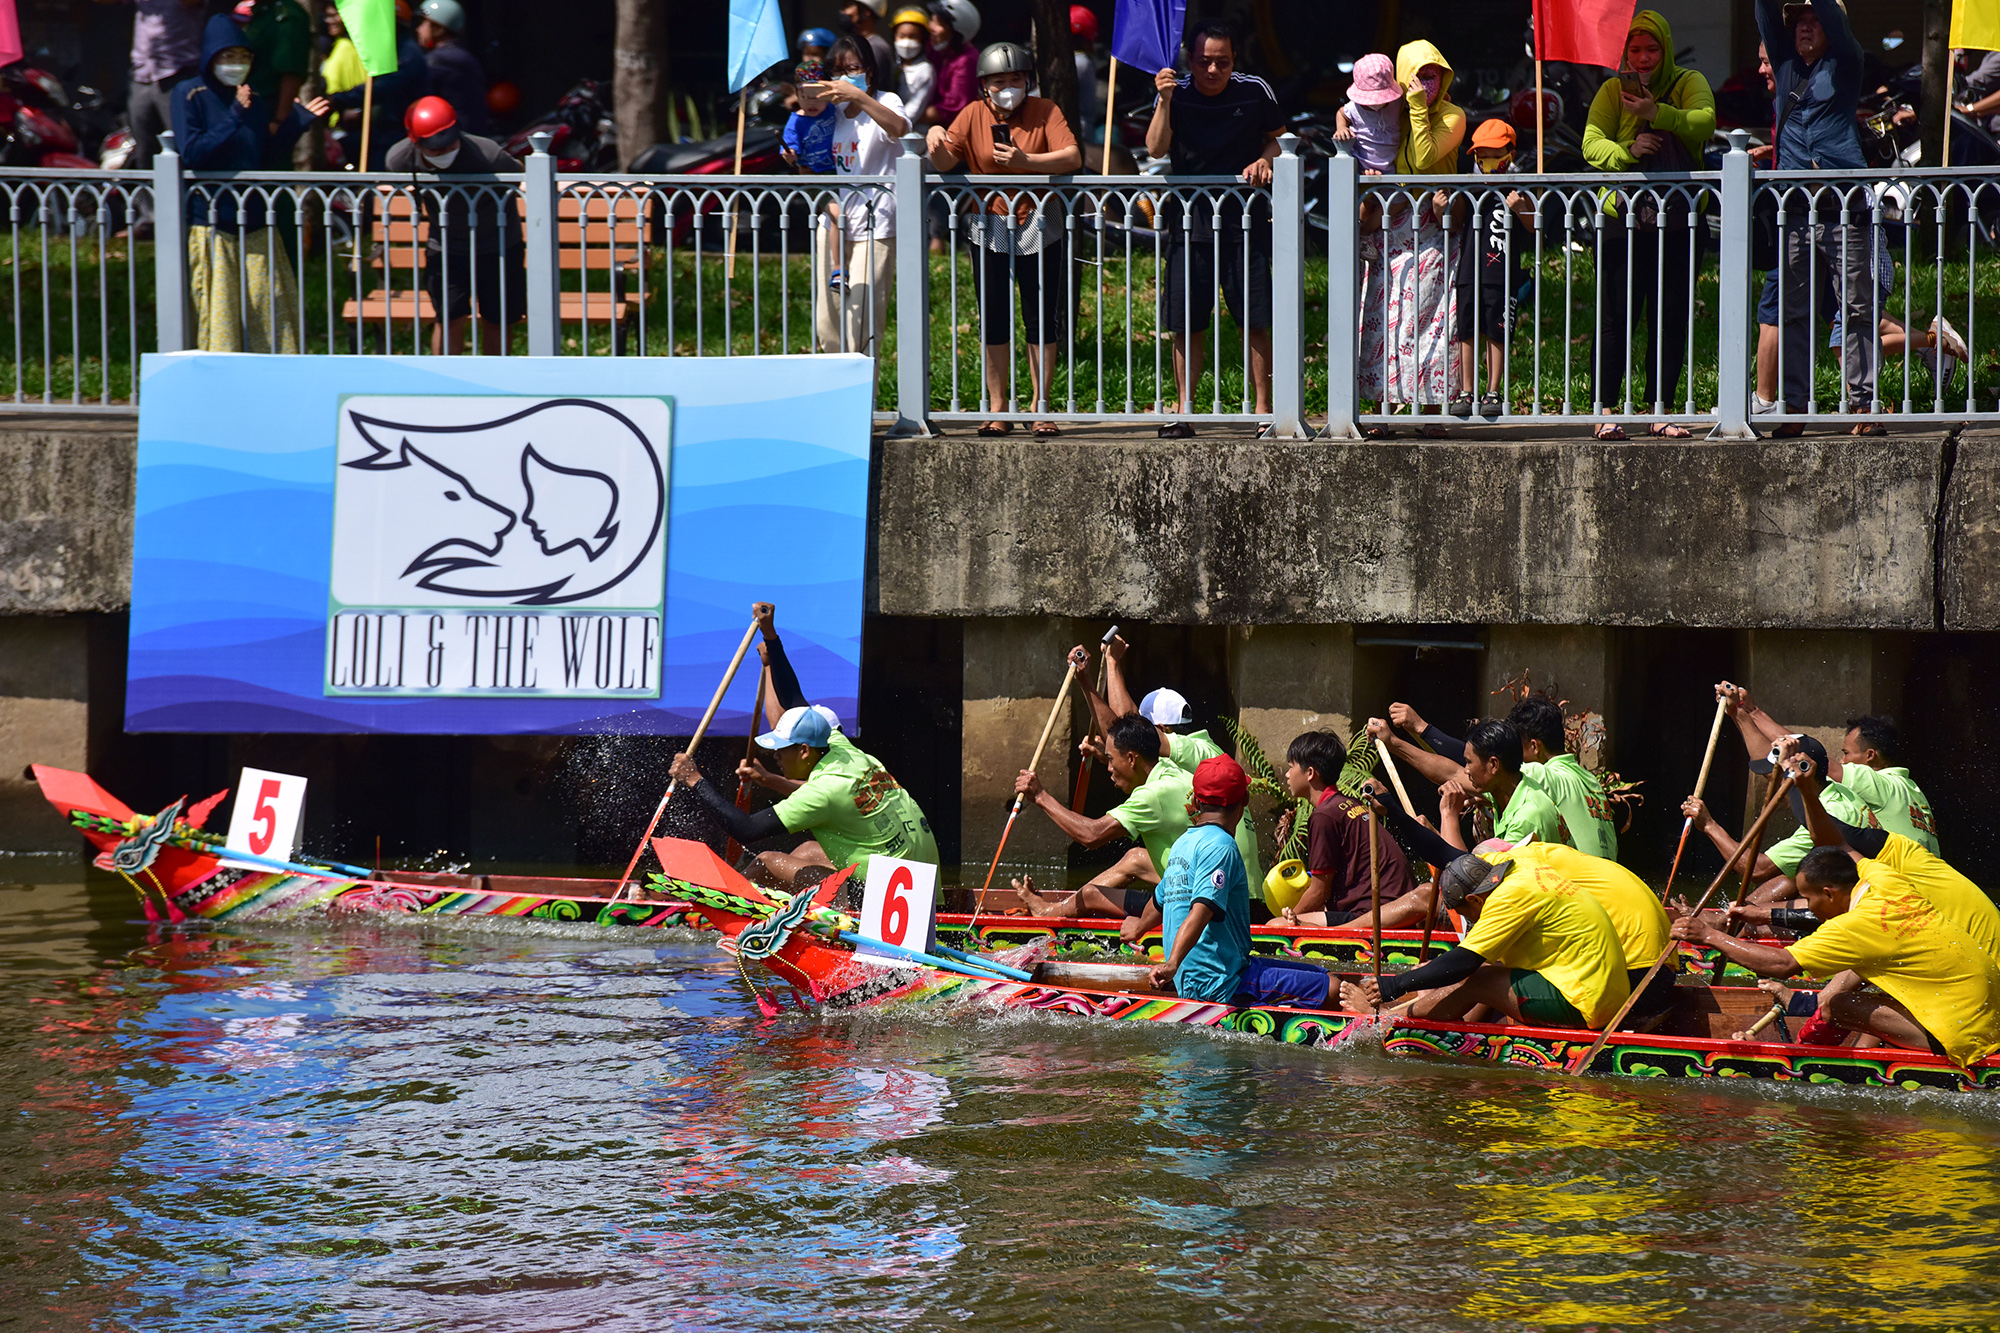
{"x":1146,"y":34}
{"x":756,"y":39}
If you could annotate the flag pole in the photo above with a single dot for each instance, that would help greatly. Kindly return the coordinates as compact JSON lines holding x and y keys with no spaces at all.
{"x":1541,"y":114}
{"x":1111,"y":101}
{"x":742,"y":104}
{"x":367,"y":117}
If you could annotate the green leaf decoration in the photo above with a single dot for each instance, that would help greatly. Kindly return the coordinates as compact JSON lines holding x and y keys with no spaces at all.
{"x":1360,"y":765}
{"x":1251,"y":755}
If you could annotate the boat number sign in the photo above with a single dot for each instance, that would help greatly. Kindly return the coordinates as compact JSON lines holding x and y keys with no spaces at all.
{"x":496,"y":545}
{"x":265,"y":819}
{"x":896,"y":905}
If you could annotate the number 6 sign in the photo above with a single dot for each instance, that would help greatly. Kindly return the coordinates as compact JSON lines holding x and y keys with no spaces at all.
{"x":265,"y":820}
{"x":897,"y":904}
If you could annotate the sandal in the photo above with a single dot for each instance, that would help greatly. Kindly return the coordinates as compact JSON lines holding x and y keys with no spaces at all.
{"x":1790,"y":430}
{"x":1460,"y":404}
{"x":1491,"y":406}
{"x":1667,"y":430}
{"x":1377,"y":433}
{"x":1433,"y":432}
{"x":993,"y":428}
{"x":1177,"y":430}
{"x":1868,"y":428}
{"x":1046,"y":430}
{"x":1610,"y":430}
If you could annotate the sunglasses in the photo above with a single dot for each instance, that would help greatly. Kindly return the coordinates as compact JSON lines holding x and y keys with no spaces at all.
{"x":440,"y":142}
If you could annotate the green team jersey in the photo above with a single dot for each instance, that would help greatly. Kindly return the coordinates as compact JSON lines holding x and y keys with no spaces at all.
{"x":1186,"y":752}
{"x":1579,"y":797}
{"x":1898,"y":803}
{"x":1842,"y":804}
{"x":1530,"y":817}
{"x":855,"y":810}
{"x":1156,"y":811}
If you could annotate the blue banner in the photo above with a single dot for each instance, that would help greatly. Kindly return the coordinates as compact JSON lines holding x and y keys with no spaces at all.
{"x":756,"y":40}
{"x":1146,"y":34}
{"x":487,"y":545}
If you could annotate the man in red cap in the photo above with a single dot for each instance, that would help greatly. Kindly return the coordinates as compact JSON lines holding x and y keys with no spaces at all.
{"x":475,"y":250}
{"x":1204,"y":896}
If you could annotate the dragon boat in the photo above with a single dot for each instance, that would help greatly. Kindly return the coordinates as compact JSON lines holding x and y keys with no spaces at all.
{"x":179,"y":871}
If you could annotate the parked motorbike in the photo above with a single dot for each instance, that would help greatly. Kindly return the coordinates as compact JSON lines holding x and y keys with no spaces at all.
{"x":582,"y":135}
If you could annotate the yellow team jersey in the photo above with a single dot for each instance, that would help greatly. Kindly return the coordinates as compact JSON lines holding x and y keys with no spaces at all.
{"x":1957,"y":898}
{"x":1897,"y":938}
{"x":1634,"y":910}
{"x":1540,"y":921}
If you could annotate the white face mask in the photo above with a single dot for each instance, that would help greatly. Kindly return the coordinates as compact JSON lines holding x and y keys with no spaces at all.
{"x":1007,"y":99}
{"x":442,"y":160}
{"x":909,"y":48}
{"x":232,"y":72}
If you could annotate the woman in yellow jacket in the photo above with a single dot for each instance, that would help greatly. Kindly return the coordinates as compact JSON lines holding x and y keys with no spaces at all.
{"x":1655,"y":116}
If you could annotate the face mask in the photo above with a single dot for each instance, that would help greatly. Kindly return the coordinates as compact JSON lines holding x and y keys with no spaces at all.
{"x":1432,"y":83}
{"x":232,"y":72}
{"x":937,"y":45}
{"x":1493,"y":167}
{"x":1007,"y":99}
{"x":441,"y":160}
{"x":844,"y":24}
{"x":856,"y":80}
{"x":908,"y":47}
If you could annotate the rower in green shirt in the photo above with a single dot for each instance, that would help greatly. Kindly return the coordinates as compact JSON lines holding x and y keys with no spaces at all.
{"x":1522,"y":812}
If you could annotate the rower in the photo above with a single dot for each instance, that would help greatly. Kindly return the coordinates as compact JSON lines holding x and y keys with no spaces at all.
{"x":1171,"y":717}
{"x":1775,"y":868}
{"x":1154,"y":811}
{"x":1546,"y":764}
{"x":1522,"y":811}
{"x":1339,"y":886}
{"x":784,"y":693}
{"x":1540,"y":950}
{"x":1204,"y":896}
{"x":1934,"y":987}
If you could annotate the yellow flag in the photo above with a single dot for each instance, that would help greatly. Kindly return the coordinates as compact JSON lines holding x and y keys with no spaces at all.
{"x":1975,"y":25}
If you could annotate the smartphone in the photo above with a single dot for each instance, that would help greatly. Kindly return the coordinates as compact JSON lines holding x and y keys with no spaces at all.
{"x":1633,"y":82}
{"x":1002,"y":137}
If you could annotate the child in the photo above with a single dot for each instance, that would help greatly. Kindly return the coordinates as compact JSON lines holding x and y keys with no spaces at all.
{"x":1492,"y":239}
{"x":809,"y":131}
{"x":814,"y":43}
{"x":1372,"y":119}
{"x":1204,"y":893}
{"x":916,"y":77}
{"x":1340,"y":888}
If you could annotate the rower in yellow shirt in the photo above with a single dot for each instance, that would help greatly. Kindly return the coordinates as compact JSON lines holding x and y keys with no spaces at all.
{"x":1636,"y":915}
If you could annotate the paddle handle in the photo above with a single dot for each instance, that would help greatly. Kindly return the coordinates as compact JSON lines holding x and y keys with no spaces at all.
{"x":1375,"y":896}
{"x":1395,"y":778}
{"x":1048,"y":729}
{"x":1708,"y":757}
{"x":1772,"y":1015}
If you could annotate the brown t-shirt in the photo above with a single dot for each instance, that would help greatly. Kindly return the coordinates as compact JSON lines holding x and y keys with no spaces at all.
{"x":1337,"y":847}
{"x":1036,"y":127}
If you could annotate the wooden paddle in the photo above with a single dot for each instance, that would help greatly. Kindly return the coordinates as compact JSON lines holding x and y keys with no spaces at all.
{"x":1700,"y":784}
{"x":1749,"y":880}
{"x":1048,"y":729}
{"x":1750,"y":839}
{"x":1396,"y":780}
{"x":734,"y":849}
{"x":1375,"y":896}
{"x":1771,"y":1015}
{"x":699,"y":732}
{"x":1082,"y":789}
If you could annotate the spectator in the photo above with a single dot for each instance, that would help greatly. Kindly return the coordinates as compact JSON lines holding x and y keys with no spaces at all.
{"x":866,"y":125}
{"x":953,"y":24}
{"x":394,"y":93}
{"x":1020,"y":234}
{"x":1656,"y":116}
{"x":1492,"y":262}
{"x":1817,"y":63}
{"x":455,"y":73}
{"x":341,"y":70}
{"x":916,"y":76}
{"x":238,"y":269}
{"x":475,"y":260}
{"x":1982,"y":87}
{"x":1216,"y":122}
{"x":862,"y":18}
{"x":814,"y":43}
{"x":1083,"y":42}
{"x":166,"y":52}
{"x":1406,"y":307}
{"x":808,"y":135}
{"x":279,"y":34}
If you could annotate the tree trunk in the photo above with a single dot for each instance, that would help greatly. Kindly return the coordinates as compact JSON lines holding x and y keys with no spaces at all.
{"x":1055,"y":62}
{"x":639,"y":77}
{"x":1937,"y":78}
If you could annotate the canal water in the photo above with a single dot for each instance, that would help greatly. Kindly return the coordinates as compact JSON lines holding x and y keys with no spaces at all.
{"x":355,"y":1125}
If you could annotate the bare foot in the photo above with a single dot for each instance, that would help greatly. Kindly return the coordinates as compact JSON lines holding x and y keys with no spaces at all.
{"x":1037,"y":904}
{"x":1356,"y":999}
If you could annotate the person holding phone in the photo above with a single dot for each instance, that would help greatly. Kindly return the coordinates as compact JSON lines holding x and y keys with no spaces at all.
{"x":866,"y":124}
{"x":1020,"y":232}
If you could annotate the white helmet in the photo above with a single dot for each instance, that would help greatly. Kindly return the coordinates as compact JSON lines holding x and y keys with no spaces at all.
{"x":962,"y":15}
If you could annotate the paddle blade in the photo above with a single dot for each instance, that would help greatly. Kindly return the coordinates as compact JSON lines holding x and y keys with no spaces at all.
{"x":696,"y":863}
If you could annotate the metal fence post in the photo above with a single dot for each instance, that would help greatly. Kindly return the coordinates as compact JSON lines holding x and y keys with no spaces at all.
{"x":170,"y":248}
{"x":1343,"y":300}
{"x":913,"y":316}
{"x":1288,"y":293}
{"x":1733,"y":346}
{"x":544,"y":276}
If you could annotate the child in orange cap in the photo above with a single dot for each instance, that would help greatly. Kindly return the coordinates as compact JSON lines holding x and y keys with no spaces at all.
{"x":1492,"y":240}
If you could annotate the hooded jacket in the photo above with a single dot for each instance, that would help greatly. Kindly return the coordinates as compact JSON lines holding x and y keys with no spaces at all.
{"x":1816,"y":102}
{"x":1432,"y":131}
{"x":213,"y":133}
{"x":1686,"y":107}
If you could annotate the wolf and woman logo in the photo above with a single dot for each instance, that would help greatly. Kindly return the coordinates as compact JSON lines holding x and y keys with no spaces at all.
{"x":450,"y":501}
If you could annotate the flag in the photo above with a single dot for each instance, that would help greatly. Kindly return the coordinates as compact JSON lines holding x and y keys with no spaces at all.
{"x":1975,"y":25}
{"x":371,"y":26}
{"x":1146,"y":34}
{"x":1584,"y":32}
{"x":10,"y":33}
{"x":756,"y":39}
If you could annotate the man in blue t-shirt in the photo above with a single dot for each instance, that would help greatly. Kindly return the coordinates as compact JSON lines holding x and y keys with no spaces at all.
{"x":1204,"y":896}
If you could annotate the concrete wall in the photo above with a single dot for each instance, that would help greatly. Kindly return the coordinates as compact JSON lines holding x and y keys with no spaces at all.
{"x":66,"y":491}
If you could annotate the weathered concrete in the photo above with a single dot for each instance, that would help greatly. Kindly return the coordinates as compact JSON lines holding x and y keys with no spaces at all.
{"x":44,"y":719}
{"x":66,"y":494}
{"x":1813,"y":682}
{"x":1969,"y":563}
{"x":1291,"y":679}
{"x":1820,"y":532}
{"x":1577,"y":663}
{"x":1012,"y":672}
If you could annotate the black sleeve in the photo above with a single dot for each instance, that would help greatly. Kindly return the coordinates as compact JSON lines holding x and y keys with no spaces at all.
{"x":1455,"y":966}
{"x":743,"y":825}
{"x":784,"y":680}
{"x":1419,"y":841}
{"x":1444,"y":745}
{"x":1796,"y":920}
{"x":1868,"y":841}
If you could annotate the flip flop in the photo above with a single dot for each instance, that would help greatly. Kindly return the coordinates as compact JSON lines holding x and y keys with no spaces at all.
{"x":993,"y":428}
{"x":1177,"y":430}
{"x":1667,"y":430}
{"x":1610,"y":430}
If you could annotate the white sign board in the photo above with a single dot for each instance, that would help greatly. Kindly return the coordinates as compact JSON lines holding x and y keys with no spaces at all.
{"x":265,"y":819}
{"x":485,"y":545}
{"x":898,"y":906}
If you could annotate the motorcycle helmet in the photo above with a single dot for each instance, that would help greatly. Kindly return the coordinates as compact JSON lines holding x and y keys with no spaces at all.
{"x":445,"y":13}
{"x":429,"y":117}
{"x":1082,"y":24}
{"x":1005,"y":58}
{"x":820,"y":37}
{"x":961,"y":15}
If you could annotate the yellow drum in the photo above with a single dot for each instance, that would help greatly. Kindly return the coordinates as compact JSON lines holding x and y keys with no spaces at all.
{"x":1285,"y":885}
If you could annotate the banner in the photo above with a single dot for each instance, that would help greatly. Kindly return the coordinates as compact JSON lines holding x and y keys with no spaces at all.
{"x":1975,"y":25}
{"x":371,"y":26}
{"x":1146,"y":34}
{"x":756,"y":40}
{"x":1583,"y":32}
{"x":10,"y":33}
{"x":490,"y":545}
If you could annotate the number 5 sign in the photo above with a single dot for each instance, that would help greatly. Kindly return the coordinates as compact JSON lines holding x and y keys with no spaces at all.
{"x":897,"y":903}
{"x":265,"y":819}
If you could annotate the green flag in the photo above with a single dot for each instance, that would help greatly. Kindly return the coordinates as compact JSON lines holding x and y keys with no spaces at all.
{"x":371,"y":25}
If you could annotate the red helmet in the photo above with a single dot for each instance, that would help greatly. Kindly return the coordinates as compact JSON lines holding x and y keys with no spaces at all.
{"x":1082,"y":23}
{"x":429,"y":116}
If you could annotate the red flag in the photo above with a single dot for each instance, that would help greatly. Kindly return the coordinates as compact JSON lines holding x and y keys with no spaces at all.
{"x":10,"y":33}
{"x":1584,"y":32}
